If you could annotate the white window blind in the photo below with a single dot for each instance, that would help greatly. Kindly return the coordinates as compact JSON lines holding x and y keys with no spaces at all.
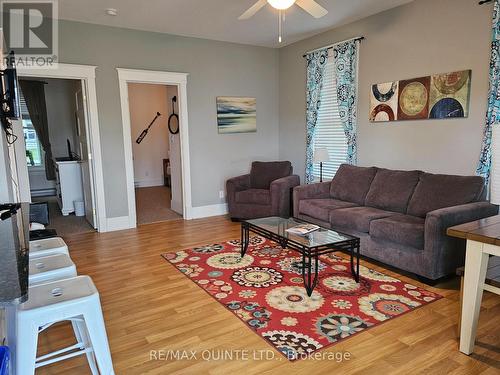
{"x":329,"y":131}
{"x":24,"y":107}
{"x":495,"y":165}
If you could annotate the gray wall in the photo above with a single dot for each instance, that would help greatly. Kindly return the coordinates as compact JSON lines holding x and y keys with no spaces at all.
{"x":423,"y":37}
{"x":215,"y":68}
{"x":61,"y":108}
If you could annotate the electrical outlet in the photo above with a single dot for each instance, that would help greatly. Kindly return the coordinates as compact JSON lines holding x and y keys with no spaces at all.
{"x":221,"y":194}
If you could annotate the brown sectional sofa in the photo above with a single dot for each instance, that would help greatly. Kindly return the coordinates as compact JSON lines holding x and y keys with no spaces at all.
{"x":401,"y":217}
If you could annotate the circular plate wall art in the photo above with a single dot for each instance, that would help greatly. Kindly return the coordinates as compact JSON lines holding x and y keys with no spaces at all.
{"x":381,"y":113}
{"x":450,"y":83}
{"x":413,"y":98}
{"x":437,"y":96}
{"x":447,"y":108}
{"x":384,"y":91}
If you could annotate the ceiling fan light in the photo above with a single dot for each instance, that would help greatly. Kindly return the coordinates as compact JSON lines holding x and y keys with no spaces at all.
{"x":281,"y":4}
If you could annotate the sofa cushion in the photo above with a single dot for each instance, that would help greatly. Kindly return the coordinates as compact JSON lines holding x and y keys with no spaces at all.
{"x":402,"y":229}
{"x":391,"y":190}
{"x":255,"y":196}
{"x":263,"y":173}
{"x":357,"y":218}
{"x":320,"y":208}
{"x":435,"y":191}
{"x":351,"y":183}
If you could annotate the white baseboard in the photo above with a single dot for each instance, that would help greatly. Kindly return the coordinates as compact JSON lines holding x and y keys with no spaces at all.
{"x":207,"y":211}
{"x":124,"y":222}
{"x":117,"y":223}
{"x":176,"y":206}
{"x":43,"y":192}
{"x":149,"y":183}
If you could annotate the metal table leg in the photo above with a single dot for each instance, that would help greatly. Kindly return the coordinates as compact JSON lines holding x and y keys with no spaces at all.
{"x":310,"y":280}
{"x":355,"y":251}
{"x":245,"y":238}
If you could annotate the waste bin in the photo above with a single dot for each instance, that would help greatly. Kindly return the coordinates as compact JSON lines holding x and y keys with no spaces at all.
{"x":4,"y":360}
{"x":79,"y":208}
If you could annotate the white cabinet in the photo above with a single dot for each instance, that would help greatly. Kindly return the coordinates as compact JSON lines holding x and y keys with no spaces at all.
{"x":68,"y":185}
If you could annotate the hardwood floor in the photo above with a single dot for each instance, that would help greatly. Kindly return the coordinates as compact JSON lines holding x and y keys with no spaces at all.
{"x":149,"y":305}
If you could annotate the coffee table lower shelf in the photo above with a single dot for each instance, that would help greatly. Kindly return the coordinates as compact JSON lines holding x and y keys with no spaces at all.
{"x":310,"y":254}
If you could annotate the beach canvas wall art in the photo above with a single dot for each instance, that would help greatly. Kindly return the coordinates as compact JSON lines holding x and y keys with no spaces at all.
{"x":236,"y":115}
{"x":438,"y":96}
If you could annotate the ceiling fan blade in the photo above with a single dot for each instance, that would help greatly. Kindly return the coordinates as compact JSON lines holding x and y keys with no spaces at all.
{"x":312,"y":7}
{"x":253,"y":9}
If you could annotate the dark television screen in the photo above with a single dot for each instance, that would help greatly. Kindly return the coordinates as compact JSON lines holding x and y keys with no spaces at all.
{"x":10,"y":105}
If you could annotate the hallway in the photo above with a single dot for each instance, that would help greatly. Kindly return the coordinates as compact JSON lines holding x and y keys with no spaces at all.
{"x":153,"y":205}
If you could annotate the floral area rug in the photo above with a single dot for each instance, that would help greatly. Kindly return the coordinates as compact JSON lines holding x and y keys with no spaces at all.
{"x":265,"y":290}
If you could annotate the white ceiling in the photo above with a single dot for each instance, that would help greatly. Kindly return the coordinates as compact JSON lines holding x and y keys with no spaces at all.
{"x":217,"y":19}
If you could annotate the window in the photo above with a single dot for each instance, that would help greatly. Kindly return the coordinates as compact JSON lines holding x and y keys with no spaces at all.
{"x":33,"y":149}
{"x":329,"y":131}
{"x":34,"y":153}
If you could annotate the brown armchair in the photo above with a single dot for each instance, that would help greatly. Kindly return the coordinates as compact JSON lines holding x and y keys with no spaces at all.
{"x":265,"y":191}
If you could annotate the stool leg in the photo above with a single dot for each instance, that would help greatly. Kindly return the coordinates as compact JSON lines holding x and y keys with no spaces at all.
{"x":94,"y":322}
{"x":78,"y":335}
{"x":82,"y":336}
{"x":26,"y":342}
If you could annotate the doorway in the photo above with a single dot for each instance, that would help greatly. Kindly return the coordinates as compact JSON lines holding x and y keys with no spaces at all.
{"x":156,"y":152}
{"x":179,"y":81}
{"x":54,"y":122}
{"x":70,"y":98}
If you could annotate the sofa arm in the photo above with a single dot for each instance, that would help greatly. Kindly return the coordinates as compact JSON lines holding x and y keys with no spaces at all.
{"x":281,"y":191}
{"x":444,"y":254}
{"x":235,"y":184}
{"x":311,"y":191}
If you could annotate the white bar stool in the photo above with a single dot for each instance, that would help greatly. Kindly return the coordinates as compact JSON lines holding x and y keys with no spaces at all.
{"x":48,"y":246}
{"x":50,"y":268}
{"x":75,"y":299}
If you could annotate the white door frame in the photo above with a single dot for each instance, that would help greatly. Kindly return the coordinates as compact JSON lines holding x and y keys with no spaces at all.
{"x":86,"y":74}
{"x":126,"y":76}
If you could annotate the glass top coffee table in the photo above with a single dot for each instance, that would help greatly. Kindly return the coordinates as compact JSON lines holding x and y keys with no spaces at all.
{"x":310,"y":246}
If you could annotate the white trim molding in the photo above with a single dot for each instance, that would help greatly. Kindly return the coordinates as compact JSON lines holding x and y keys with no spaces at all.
{"x":43,"y":192}
{"x":126,"y":76}
{"x":149,"y":183}
{"x":207,"y":211}
{"x":85,"y":73}
{"x":117,"y":223}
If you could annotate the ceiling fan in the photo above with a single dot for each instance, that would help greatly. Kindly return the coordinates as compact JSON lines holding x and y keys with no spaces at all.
{"x":310,"y":6}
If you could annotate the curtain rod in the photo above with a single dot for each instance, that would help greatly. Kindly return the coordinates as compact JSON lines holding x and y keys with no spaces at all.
{"x":358,"y":38}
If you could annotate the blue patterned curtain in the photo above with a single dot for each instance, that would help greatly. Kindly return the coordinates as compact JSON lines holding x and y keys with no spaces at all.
{"x":345,"y":57}
{"x":493,"y":112}
{"x":315,"y":68}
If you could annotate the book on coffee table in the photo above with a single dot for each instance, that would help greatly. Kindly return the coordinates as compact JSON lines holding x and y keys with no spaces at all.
{"x":303,"y":229}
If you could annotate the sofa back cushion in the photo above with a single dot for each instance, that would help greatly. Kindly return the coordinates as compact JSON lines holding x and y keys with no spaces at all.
{"x":263,"y":173}
{"x":351,"y":183}
{"x":435,"y":191}
{"x":391,"y":190}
